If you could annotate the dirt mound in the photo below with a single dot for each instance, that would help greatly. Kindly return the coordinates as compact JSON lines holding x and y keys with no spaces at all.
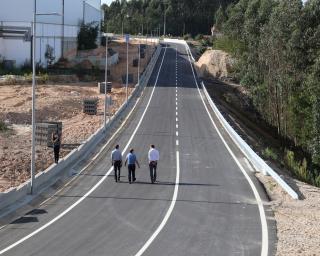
{"x":215,"y":63}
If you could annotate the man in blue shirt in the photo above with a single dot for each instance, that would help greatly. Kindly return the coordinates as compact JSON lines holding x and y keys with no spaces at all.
{"x":131,"y":159}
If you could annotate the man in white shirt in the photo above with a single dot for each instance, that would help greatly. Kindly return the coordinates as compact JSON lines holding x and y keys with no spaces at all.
{"x":153,"y":157}
{"x":116,"y":158}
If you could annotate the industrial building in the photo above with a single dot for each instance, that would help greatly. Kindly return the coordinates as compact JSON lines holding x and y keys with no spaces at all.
{"x":57,"y":26}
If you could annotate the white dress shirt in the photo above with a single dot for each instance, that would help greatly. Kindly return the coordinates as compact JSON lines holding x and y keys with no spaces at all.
{"x":153,"y":155}
{"x":116,"y":155}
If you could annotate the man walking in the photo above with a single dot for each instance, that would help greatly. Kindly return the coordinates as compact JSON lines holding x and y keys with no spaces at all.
{"x":116,"y":159}
{"x":153,"y":157}
{"x":131,"y":159}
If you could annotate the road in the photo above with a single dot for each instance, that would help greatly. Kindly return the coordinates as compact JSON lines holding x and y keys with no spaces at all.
{"x":202,"y":203}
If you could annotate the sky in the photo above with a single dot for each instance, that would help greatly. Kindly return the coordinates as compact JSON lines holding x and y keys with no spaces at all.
{"x":106,"y":1}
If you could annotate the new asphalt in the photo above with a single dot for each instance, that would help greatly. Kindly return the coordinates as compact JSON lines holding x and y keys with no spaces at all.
{"x":202,"y":204}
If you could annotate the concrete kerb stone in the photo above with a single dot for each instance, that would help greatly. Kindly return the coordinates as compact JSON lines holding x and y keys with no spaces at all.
{"x":10,"y":198}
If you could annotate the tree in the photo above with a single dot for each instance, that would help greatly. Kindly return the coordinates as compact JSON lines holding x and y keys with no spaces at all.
{"x":87,"y":36}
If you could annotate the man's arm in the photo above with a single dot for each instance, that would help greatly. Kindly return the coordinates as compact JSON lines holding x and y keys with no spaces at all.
{"x":137,"y":163}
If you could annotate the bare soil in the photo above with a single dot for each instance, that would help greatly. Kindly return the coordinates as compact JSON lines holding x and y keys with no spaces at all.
{"x":57,"y":102}
{"x":54,"y":103}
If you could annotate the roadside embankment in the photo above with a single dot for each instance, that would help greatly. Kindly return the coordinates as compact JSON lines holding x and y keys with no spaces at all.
{"x":298,"y":228}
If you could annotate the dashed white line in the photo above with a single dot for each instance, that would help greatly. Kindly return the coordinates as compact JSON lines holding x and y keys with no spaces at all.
{"x":177,"y":142}
{"x":177,"y":126}
{"x":177,"y":133}
{"x":177,"y":120}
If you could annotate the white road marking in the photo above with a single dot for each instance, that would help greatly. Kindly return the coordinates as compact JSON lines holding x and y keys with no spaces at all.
{"x":264,"y":227}
{"x":177,"y":126}
{"x":177,"y":142}
{"x":177,"y":120}
{"x":168,"y":214}
{"x":176,"y":113}
{"x":177,"y":133}
{"x":95,"y":186}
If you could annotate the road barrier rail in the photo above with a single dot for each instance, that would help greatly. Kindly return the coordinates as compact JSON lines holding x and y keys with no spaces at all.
{"x":258,"y":163}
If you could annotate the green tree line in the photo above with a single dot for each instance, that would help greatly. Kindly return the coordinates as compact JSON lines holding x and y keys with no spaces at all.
{"x":146,"y":16}
{"x":277,"y":47}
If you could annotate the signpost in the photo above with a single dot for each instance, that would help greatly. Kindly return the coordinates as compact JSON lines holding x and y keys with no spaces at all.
{"x":127,"y":37}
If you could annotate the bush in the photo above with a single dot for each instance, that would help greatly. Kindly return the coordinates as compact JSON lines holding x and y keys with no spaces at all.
{"x":226,"y":44}
{"x":3,"y":126}
{"x":270,"y":154}
{"x":299,"y":169}
{"x":187,"y":37}
{"x":199,"y":37}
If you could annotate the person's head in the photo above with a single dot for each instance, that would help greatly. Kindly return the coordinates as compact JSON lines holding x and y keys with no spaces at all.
{"x":131,"y":150}
{"x":152,"y":146}
{"x":117,"y":146}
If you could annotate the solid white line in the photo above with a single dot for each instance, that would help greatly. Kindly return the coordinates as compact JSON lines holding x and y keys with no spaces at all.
{"x":168,"y":214}
{"x":95,"y":186}
{"x":264,"y":227}
{"x":249,"y":165}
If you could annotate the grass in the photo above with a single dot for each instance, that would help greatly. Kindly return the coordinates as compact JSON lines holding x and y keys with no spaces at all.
{"x":269,"y":153}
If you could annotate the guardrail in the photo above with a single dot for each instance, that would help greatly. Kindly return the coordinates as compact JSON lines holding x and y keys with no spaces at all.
{"x":19,"y":195}
{"x":259,"y":164}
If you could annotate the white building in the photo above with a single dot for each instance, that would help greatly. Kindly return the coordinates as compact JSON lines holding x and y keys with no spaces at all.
{"x":16,"y":22}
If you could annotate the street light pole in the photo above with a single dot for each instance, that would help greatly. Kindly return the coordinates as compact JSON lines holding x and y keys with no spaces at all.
{"x":33,"y":108}
{"x":139,"y":65}
{"x":127,"y":80}
{"x":33,"y":122}
{"x":106,"y":83}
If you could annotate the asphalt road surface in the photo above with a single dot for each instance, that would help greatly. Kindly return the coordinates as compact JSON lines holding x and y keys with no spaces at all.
{"x":202,"y":203}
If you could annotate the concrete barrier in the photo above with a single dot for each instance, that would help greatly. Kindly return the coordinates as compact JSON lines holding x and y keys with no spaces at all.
{"x":15,"y":197}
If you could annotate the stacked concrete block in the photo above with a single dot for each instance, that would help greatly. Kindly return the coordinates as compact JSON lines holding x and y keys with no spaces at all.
{"x":135,"y":62}
{"x":101,"y":87}
{"x":44,"y":132}
{"x":90,"y":106}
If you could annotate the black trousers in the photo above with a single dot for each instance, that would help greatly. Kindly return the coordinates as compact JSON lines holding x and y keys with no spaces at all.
{"x":117,"y":170}
{"x":131,"y":172}
{"x":56,"y":150}
{"x":153,"y":171}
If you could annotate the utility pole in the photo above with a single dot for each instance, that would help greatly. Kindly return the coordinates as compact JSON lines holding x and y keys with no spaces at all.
{"x":33,"y":144}
{"x":139,"y":65}
{"x":62,"y":40}
{"x":105,"y":85}
{"x":164,"y":25}
{"x":127,"y":80}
